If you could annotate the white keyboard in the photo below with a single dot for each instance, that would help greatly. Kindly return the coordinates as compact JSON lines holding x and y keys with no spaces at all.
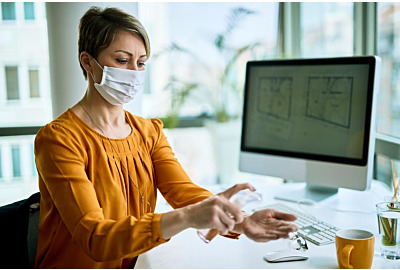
{"x":312,"y":229}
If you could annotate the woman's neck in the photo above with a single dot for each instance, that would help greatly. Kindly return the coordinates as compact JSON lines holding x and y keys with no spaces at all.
{"x":104,"y":114}
{"x":105,"y":118}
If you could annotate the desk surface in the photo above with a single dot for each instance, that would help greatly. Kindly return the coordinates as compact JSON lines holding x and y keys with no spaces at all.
{"x":348,"y":209}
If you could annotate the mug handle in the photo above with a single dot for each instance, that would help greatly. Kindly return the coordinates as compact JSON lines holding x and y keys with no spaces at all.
{"x":346,"y":256}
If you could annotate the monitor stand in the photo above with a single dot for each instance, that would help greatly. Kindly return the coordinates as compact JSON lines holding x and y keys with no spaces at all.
{"x":307,"y":195}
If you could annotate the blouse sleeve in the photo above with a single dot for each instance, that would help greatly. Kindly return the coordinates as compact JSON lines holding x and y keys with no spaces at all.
{"x":60,"y":159}
{"x":172,"y":181}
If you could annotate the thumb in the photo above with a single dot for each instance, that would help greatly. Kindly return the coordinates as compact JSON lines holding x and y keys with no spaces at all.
{"x":235,"y":189}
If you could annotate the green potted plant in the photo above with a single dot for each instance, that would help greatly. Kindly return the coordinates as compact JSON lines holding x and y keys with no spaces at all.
{"x":223,"y":87}
{"x":218,"y":89}
{"x":215,"y":87}
{"x":224,"y":94}
{"x":179,"y":90}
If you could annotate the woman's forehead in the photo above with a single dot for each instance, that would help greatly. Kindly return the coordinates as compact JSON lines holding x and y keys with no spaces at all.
{"x":129,"y":42}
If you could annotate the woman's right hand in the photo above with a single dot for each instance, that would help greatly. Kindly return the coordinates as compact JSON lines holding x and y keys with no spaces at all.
{"x":215,"y":212}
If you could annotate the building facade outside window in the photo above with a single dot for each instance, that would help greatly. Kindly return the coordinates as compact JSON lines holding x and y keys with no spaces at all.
{"x":25,"y":98}
{"x":326,"y":29}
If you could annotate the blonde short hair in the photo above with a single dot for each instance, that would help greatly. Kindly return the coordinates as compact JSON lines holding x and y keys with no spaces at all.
{"x":98,"y":28}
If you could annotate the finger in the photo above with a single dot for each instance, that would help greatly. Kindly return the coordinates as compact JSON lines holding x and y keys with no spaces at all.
{"x":218,"y":225}
{"x":235,"y":189}
{"x":266,"y":237}
{"x":222,"y":219}
{"x":271,"y":235}
{"x":282,"y":232}
{"x":234,"y":211}
{"x":227,"y":220}
{"x":222,"y":222}
{"x":284,"y":216}
{"x":285,"y":227}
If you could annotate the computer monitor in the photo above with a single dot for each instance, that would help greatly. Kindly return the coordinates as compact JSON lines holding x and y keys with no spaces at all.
{"x":311,"y":120}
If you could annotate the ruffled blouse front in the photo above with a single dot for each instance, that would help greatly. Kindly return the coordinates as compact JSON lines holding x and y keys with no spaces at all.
{"x":99,"y":194}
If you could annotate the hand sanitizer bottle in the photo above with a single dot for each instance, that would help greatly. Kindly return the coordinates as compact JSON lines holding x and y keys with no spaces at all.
{"x":240,"y":199}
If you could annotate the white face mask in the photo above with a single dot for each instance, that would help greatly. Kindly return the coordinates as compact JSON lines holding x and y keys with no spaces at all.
{"x":119,"y":86}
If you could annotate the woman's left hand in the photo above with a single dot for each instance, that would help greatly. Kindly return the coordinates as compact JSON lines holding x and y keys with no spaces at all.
{"x":268,"y":224}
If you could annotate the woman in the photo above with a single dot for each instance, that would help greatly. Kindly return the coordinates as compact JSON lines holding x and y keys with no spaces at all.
{"x":100,"y":167}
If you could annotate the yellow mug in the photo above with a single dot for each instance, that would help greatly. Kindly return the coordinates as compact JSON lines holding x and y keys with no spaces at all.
{"x":355,"y":249}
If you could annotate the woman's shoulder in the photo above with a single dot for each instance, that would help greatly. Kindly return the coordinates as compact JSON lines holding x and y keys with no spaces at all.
{"x":63,"y":124}
{"x":62,"y":136}
{"x":145,"y":125}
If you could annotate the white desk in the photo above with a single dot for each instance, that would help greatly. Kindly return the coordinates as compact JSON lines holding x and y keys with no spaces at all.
{"x":186,"y":250}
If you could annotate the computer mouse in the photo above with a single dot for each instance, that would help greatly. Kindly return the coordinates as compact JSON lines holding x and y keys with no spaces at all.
{"x":285,"y":256}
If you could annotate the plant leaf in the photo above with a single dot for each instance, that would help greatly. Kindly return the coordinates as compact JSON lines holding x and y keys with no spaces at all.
{"x":232,"y":61}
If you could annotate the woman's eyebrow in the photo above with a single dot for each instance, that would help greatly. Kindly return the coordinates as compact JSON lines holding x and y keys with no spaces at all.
{"x":142,"y":56}
{"x":124,"y":52}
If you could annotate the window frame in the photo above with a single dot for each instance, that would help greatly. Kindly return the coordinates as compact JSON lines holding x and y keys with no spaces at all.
{"x":365,"y":43}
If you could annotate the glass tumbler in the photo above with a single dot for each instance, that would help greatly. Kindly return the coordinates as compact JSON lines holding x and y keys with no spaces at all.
{"x":389,"y":229}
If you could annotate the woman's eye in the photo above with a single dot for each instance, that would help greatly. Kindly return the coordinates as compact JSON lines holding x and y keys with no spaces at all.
{"x":142,"y":64}
{"x":122,"y":61}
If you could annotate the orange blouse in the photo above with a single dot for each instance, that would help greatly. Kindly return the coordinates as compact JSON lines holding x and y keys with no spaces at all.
{"x":91,"y":214}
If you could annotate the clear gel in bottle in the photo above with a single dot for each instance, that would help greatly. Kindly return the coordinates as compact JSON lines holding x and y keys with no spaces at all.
{"x":240,"y":199}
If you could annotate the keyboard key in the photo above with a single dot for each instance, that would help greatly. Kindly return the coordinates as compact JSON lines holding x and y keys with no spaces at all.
{"x":300,"y":231}
{"x":311,"y":228}
{"x":314,"y":238}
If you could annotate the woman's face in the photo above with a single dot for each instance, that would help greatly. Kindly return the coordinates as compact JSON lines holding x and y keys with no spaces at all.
{"x":127,"y":51}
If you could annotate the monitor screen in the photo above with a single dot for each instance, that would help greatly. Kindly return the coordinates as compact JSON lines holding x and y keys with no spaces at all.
{"x":309,"y":110}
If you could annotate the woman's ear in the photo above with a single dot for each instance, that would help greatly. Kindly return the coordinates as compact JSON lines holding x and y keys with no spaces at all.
{"x":84,"y":58}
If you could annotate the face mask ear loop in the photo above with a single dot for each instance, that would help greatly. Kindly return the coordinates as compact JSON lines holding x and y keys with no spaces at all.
{"x":99,"y":67}
{"x":92,"y":77}
{"x":97,"y":63}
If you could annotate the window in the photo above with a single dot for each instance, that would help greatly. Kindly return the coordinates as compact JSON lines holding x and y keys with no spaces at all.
{"x":34,"y":171}
{"x":34,"y":83}
{"x":326,"y":29}
{"x":8,"y":11}
{"x":388,"y":105}
{"x":12,"y":83}
{"x":389,"y":51}
{"x":29,"y":10}
{"x":16,"y":160}
{"x":192,"y":43}
{"x":1,"y":169}
{"x":24,"y":77}
{"x":184,"y":47}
